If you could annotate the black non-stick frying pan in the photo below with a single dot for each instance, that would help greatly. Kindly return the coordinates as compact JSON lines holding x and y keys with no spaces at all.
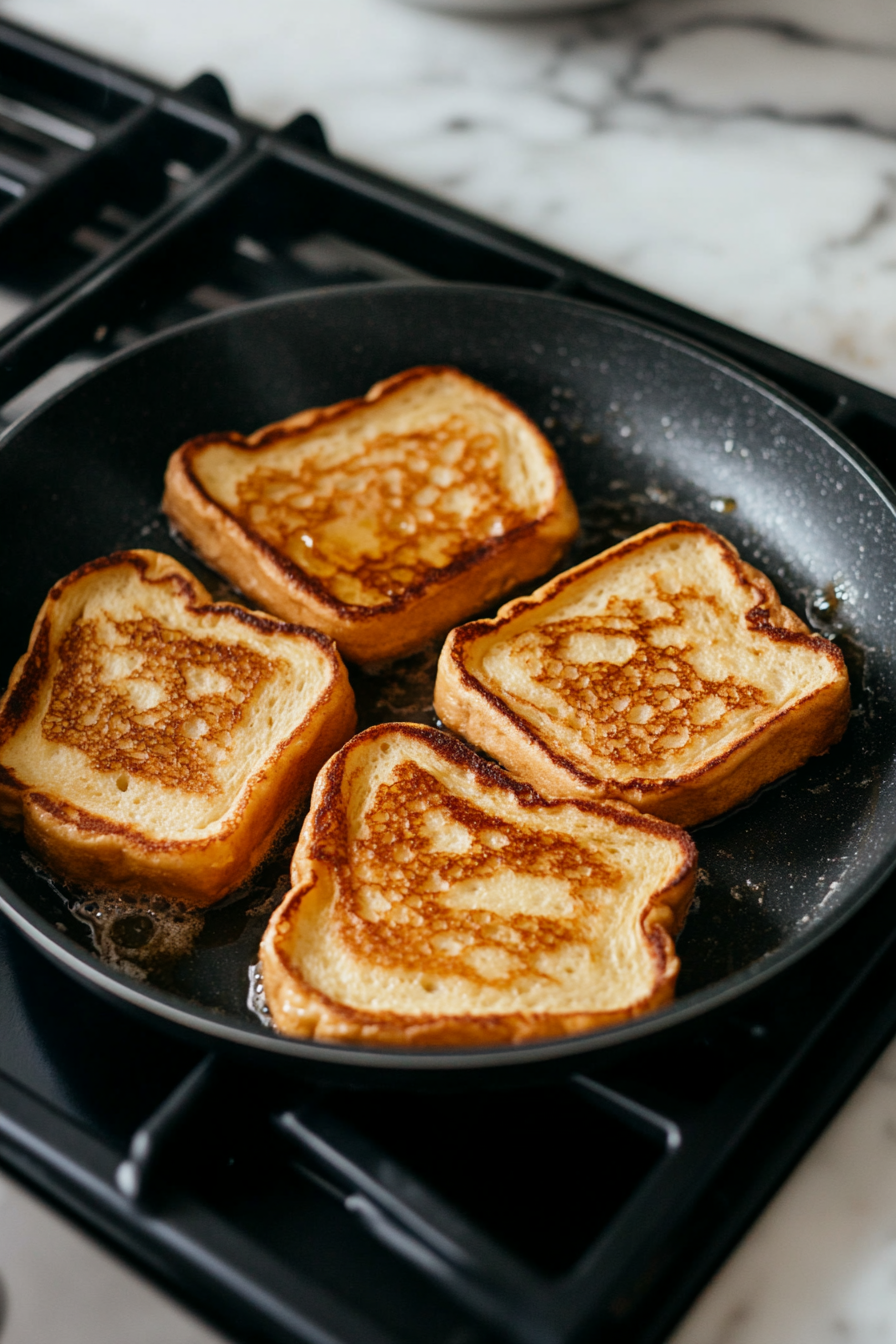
{"x":648,"y":428}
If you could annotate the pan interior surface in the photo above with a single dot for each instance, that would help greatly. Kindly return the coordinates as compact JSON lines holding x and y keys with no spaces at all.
{"x":648,"y":429}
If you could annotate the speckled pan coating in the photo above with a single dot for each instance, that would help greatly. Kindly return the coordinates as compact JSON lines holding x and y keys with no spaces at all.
{"x":648,"y":429}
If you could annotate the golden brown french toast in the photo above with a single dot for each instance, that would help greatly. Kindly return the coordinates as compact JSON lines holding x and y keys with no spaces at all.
{"x":664,"y":672}
{"x":436,"y":901}
{"x":154,"y":741}
{"x":381,"y":521}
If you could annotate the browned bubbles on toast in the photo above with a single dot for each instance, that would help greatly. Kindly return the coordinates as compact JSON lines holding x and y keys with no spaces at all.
{"x":664,"y":672}
{"x":400,"y":508}
{"x":137,"y":696}
{"x":403,"y":883}
{"x":437,"y":901}
{"x":383,"y":520}
{"x":155,"y":742}
{"x":645,"y":694}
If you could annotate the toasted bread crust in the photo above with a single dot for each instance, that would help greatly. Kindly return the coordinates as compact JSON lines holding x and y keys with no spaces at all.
{"x":416,"y":612}
{"x":299,"y":1008}
{"x":786,"y":740}
{"x":98,"y":850}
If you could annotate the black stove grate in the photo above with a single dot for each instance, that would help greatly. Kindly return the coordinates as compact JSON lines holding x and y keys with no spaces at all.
{"x":591,"y":1208}
{"x":595,"y":1207}
{"x":90,"y":160}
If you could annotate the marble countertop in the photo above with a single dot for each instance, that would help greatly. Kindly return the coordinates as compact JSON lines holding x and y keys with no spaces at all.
{"x":738,"y":155}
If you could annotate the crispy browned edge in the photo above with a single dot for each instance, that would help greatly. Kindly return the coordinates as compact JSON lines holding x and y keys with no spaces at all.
{"x":780,"y":745}
{"x":95,"y":850}
{"x":323,"y":844}
{"x":365,"y":634}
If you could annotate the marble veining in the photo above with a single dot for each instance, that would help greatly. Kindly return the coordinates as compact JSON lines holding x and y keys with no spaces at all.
{"x":739,"y":155}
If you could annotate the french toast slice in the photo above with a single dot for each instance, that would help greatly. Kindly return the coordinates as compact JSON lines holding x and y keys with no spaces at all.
{"x":154,"y":741}
{"x":383,"y":520}
{"x":436,"y":901}
{"x":664,"y":672}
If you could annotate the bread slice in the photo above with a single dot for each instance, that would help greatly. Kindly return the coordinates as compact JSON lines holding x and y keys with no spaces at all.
{"x":381,"y":521}
{"x":436,"y":901}
{"x":154,"y":741}
{"x":664,"y":672}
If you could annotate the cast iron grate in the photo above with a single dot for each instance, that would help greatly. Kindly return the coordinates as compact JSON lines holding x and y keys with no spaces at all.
{"x":89,"y":159}
{"x":540,"y":1170}
{"x":594,"y":1207}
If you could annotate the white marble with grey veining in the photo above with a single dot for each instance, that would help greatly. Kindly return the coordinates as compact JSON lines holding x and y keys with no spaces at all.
{"x":739,"y":155}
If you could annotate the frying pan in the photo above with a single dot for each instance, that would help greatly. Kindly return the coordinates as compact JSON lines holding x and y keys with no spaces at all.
{"x":649,"y":428}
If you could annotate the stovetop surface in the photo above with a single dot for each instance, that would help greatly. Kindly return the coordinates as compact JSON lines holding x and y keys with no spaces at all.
{"x":596,"y":1205}
{"x":519,"y":1213}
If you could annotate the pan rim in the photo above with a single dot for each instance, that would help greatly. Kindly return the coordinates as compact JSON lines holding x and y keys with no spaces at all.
{"x":204,"y":1022}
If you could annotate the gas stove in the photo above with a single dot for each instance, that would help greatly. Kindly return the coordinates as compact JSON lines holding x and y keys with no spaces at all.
{"x":593,"y":1207}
